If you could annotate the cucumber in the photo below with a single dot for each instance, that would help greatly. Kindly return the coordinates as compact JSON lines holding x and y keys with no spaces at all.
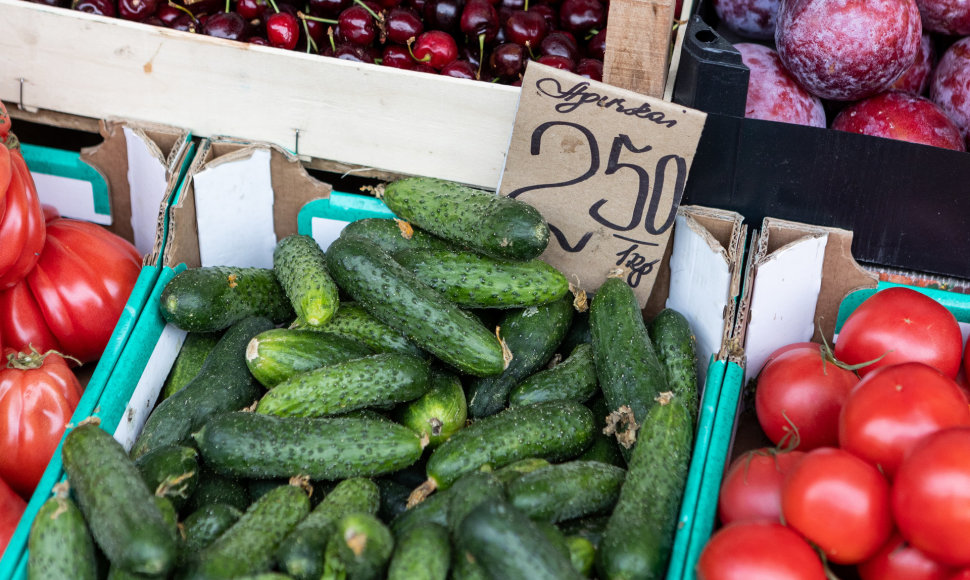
{"x":472,"y":280}
{"x":555,"y":537}
{"x":354,"y":323}
{"x":517,"y":469}
{"x":464,"y":566}
{"x":555,"y":431}
{"x":590,"y":528}
{"x":119,"y":508}
{"x":212,"y":298}
{"x":532,"y":335}
{"x":261,"y":446}
{"x":394,"y":498}
{"x":469,"y":491}
{"x":301,"y":269}
{"x":627,"y":367}
{"x":567,"y":490}
{"x":394,"y":235}
{"x":279,"y":353}
{"x":424,"y":554}
{"x":604,"y":448}
{"x":508,"y":545}
{"x":579,"y":331}
{"x":249,"y":545}
{"x":582,"y":553}
{"x":204,"y":525}
{"x":171,"y":471}
{"x":490,"y":224}
{"x":573,"y":379}
{"x":171,"y":518}
{"x":223,"y":384}
{"x":59,"y":544}
{"x":677,"y":349}
{"x":214,"y":488}
{"x":639,"y":536}
{"x":371,"y":381}
{"x":397,"y":298}
{"x":301,"y":555}
{"x":195,"y":348}
{"x":438,"y":413}
{"x":434,"y":509}
{"x":359,"y":549}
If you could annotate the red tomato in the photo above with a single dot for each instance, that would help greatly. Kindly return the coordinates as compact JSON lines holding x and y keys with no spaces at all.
{"x":963,"y":574}
{"x":966,"y":362}
{"x":750,"y":550}
{"x":897,"y":560}
{"x":22,"y":323}
{"x":12,"y":507}
{"x":5,"y":173}
{"x":751,"y":489}
{"x":38,"y":395}
{"x":22,"y":226}
{"x":891,"y":409}
{"x":4,"y":121}
{"x":800,"y":391}
{"x":900,"y":325}
{"x":931,"y":496}
{"x":838,"y":502}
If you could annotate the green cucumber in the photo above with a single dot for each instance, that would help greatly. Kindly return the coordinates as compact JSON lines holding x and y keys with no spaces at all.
{"x":279,"y":353}
{"x":487,"y":223}
{"x":394,"y":498}
{"x":213,"y":298}
{"x":249,"y":545}
{"x":371,"y":381}
{"x":223,"y":384}
{"x":59,"y":544}
{"x":582,"y":553}
{"x":301,"y":555}
{"x":604,"y":448}
{"x":517,"y":469}
{"x":394,"y":235}
{"x":195,"y":348}
{"x":261,"y":446}
{"x":464,"y":566}
{"x":509,"y":545}
{"x":301,"y":269}
{"x":639,"y":536}
{"x":567,"y":490}
{"x":470,"y":490}
{"x":171,"y":471}
{"x":590,"y":528}
{"x":579,"y":331}
{"x":438,"y":413}
{"x":424,"y":554}
{"x":434,"y":509}
{"x":215,"y":488}
{"x":472,"y":280}
{"x":120,"y":510}
{"x":677,"y":349}
{"x":573,"y":379}
{"x":397,"y":298}
{"x":627,"y":367}
{"x":359,"y":549}
{"x":531,"y":335}
{"x":354,"y":323}
{"x":555,"y":431}
{"x":204,"y":525}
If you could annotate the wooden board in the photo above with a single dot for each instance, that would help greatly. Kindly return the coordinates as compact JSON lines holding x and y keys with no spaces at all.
{"x":638,"y":34}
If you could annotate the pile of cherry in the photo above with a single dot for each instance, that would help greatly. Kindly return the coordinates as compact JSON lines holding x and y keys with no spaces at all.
{"x":489,"y":40}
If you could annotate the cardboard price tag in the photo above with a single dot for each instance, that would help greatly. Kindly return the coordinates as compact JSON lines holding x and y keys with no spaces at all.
{"x":606,"y":167}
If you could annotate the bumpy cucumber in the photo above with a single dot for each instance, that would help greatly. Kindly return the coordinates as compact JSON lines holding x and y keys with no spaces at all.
{"x":490,"y":224}
{"x":204,"y":525}
{"x":517,"y":469}
{"x":434,"y":509}
{"x":472,"y":280}
{"x":214,"y":488}
{"x":573,"y":379}
{"x":394,"y":236}
{"x":171,"y":471}
{"x":261,"y":446}
{"x":223,"y":384}
{"x":59,"y":545}
{"x":676,"y":347}
{"x":532,"y":335}
{"x":301,"y":555}
{"x":301,"y":269}
{"x":438,"y":413}
{"x":469,"y":491}
{"x":567,"y":490}
{"x":359,"y":549}
{"x":212,"y":298}
{"x":188,"y":362}
{"x":464,"y":566}
{"x":171,"y":519}
{"x":249,"y":545}
{"x":640,"y":533}
{"x":279,"y":353}
{"x":424,"y":554}
{"x":119,"y":508}
{"x":627,"y":367}
{"x":371,"y":381}
{"x":353,"y":322}
{"x":396,"y":297}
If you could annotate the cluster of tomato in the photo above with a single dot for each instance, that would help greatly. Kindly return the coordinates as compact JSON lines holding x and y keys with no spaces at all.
{"x":63,"y":285}
{"x":869,"y":475}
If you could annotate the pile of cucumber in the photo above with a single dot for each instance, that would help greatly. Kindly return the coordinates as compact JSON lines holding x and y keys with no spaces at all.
{"x":425,"y":399}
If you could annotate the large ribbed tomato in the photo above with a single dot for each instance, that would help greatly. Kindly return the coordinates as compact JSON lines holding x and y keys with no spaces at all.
{"x":12,"y":507}
{"x":22,"y":225}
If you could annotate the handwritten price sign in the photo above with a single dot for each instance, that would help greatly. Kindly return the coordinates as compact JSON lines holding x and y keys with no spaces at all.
{"x":606,"y":167}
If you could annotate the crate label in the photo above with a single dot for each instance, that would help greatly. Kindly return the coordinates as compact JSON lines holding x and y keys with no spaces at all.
{"x":606,"y":167}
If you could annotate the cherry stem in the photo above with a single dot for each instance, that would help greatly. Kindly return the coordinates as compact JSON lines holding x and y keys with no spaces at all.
{"x":377,"y":17}
{"x":183,"y":9}
{"x":305,"y":17}
{"x":275,"y":7}
{"x":426,"y":57}
{"x":333,"y":45}
{"x":227,"y":6}
{"x":310,"y":43}
{"x":481,"y":55}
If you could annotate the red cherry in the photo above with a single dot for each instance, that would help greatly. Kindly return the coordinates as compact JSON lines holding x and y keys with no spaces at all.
{"x":136,"y":9}
{"x":560,"y":43}
{"x":328,"y":8}
{"x":397,"y":56}
{"x":436,"y":48}
{"x":282,"y":30}
{"x":596,"y":46}
{"x":402,"y":24}
{"x":357,"y":26}
{"x":251,"y":9}
{"x":581,"y":15}
{"x":590,"y":68}
{"x":99,"y":7}
{"x":507,"y":60}
{"x":460,"y":69}
{"x":555,"y":61}
{"x":229,"y":25}
{"x":479,"y":18}
{"x":525,"y":28}
{"x":167,"y":13}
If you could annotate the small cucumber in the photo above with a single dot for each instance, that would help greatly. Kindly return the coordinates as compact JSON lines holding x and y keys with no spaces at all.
{"x":212,"y":298}
{"x":120,"y":510}
{"x":301,"y":555}
{"x":371,"y":381}
{"x":359,"y":549}
{"x":301,"y":268}
{"x":171,"y":471}
{"x":204,"y":525}
{"x":671,"y":335}
{"x":254,"y":445}
{"x":394,"y":235}
{"x":171,"y":518}
{"x":472,"y":280}
{"x":490,"y":224}
{"x":573,"y":379}
{"x":440,"y":412}
{"x":464,"y":566}
{"x":354,"y":323}
{"x":279,"y":353}
{"x":567,"y":490}
{"x":195,"y":348}
{"x":532,"y":335}
{"x":59,"y":544}
{"x":249,"y":545}
{"x":424,"y":554}
{"x":223,"y":384}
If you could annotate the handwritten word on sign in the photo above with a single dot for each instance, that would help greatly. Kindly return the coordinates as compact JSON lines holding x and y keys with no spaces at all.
{"x":606,"y":167}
